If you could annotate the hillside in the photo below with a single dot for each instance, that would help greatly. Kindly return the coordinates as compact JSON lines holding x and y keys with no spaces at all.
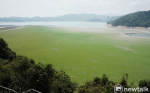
{"x":68,"y":17}
{"x":94,"y":20}
{"x":137,"y":19}
{"x":21,"y":73}
{"x":10,"y":20}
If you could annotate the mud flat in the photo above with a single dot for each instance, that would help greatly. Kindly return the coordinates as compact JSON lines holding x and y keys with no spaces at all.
{"x":117,"y":31}
{"x":9,"y":27}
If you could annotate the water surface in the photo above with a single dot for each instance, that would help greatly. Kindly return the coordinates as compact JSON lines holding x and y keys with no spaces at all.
{"x":61,"y":23}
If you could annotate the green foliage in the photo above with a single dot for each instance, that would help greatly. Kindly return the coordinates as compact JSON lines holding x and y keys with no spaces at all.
{"x":3,"y":44}
{"x":104,"y":80}
{"x":103,"y":85}
{"x":22,"y":74}
{"x":98,"y":85}
{"x":138,"y":19}
{"x":144,"y":83}
{"x":5,"y":52}
{"x":4,"y":61}
{"x":124,"y":80}
{"x":62,"y":83}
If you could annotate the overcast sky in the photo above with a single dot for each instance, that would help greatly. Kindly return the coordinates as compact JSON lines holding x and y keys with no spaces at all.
{"x":48,"y":8}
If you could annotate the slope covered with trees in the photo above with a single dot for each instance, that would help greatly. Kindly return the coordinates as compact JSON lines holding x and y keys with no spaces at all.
{"x":21,"y":73}
{"x":5,"y":52}
{"x":138,"y":19}
{"x":104,"y":85}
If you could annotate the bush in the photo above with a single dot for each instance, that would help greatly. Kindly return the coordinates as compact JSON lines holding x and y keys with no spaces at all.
{"x":5,"y":52}
{"x":144,"y":83}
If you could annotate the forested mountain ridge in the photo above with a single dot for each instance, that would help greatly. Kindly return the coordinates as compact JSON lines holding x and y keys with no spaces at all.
{"x":137,"y":19}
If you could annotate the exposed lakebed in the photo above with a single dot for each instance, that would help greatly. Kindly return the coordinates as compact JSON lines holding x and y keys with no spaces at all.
{"x":138,"y":34}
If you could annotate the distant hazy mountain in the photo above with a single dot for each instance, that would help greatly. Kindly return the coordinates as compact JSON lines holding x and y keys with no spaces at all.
{"x":113,"y":18}
{"x":94,"y":20}
{"x":10,"y":20}
{"x":68,"y":17}
{"x":137,"y":19}
{"x":80,"y":17}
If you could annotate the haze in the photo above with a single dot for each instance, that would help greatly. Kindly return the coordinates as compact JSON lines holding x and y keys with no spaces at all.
{"x":51,"y":8}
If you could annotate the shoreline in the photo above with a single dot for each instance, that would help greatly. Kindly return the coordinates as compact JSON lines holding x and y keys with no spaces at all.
{"x":12,"y":28}
{"x":110,"y":26}
{"x":118,"y":32}
{"x":103,"y":30}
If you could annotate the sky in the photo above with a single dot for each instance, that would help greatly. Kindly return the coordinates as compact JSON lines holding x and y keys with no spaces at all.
{"x":52,"y":8}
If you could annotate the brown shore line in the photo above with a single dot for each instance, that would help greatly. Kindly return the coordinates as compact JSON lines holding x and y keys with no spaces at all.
{"x":110,"y":26}
{"x":116,"y":32}
{"x":10,"y":28}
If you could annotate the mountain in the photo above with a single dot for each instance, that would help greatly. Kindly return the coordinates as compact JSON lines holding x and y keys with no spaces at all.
{"x":36,"y":18}
{"x":11,"y":20}
{"x":68,"y":17}
{"x":80,"y":17}
{"x":137,"y":19}
{"x":113,"y":18}
{"x":94,"y":20}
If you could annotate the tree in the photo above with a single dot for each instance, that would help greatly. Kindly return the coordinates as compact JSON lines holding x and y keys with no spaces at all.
{"x":138,"y":19}
{"x":5,"y":52}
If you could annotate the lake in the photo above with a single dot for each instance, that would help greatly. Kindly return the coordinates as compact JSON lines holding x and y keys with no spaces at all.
{"x":60,"y":23}
{"x":82,"y":55}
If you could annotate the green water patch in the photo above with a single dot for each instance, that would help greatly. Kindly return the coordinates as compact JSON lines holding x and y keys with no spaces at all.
{"x":83,"y":55}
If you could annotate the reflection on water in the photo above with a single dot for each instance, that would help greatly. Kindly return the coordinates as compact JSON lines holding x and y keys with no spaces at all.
{"x":138,"y":34}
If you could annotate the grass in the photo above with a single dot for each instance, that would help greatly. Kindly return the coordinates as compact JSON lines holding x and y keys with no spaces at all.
{"x":83,"y":55}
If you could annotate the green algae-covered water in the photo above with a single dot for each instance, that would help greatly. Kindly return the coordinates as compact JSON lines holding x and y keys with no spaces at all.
{"x":83,"y":55}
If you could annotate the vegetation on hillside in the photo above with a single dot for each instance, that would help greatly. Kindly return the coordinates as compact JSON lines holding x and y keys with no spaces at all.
{"x":138,"y":19}
{"x":5,"y":52}
{"x":103,"y":84}
{"x":21,"y":73}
